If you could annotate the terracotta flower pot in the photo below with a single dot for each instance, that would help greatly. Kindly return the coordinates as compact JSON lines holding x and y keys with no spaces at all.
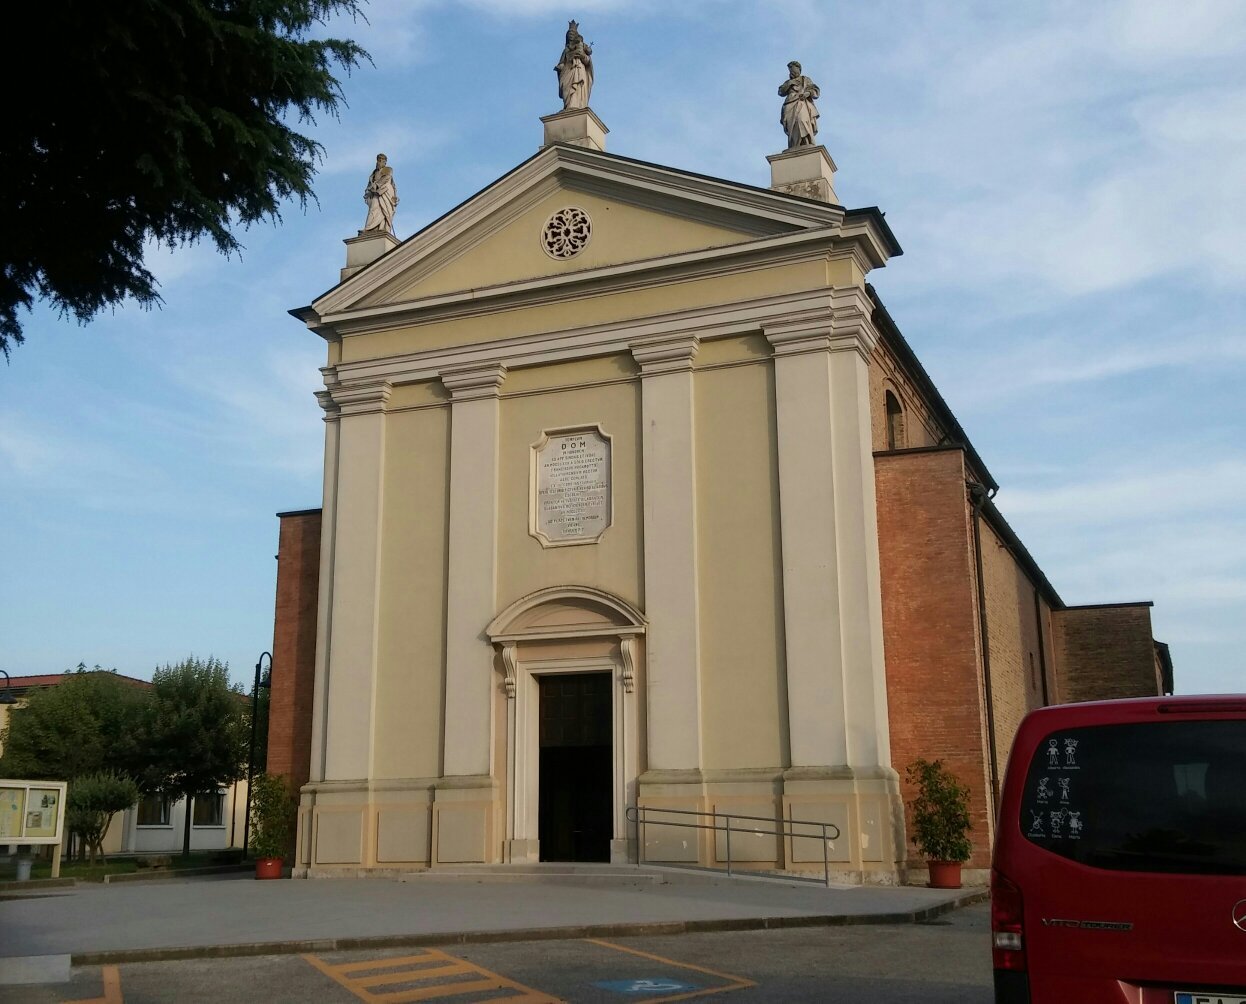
{"x":944,"y":874}
{"x":268,"y":868}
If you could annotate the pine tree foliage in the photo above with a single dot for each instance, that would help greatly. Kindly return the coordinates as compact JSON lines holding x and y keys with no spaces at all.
{"x":161,"y":120}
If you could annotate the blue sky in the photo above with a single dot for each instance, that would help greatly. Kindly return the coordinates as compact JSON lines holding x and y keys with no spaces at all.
{"x":1068,"y":181}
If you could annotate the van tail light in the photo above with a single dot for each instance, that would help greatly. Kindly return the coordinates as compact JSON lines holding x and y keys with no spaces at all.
{"x":1007,"y":924}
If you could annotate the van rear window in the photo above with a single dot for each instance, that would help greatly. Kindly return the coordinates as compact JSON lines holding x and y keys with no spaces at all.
{"x":1143,"y":797}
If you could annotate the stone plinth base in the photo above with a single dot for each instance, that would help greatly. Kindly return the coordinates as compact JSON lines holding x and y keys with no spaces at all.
{"x":366,"y":248}
{"x":577,"y":127}
{"x":807,"y":171}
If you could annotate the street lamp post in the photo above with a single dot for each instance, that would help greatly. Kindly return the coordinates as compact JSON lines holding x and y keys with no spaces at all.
{"x":6,"y":695}
{"x":255,"y":704}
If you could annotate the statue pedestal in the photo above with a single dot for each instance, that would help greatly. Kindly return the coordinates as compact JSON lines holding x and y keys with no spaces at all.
{"x":577,"y":127}
{"x":366,"y":248}
{"x":807,"y":171}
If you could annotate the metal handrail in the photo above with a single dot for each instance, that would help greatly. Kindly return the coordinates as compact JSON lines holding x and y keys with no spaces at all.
{"x":637,"y":814}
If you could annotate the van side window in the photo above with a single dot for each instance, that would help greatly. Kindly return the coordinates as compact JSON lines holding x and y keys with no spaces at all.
{"x":1146,"y":797}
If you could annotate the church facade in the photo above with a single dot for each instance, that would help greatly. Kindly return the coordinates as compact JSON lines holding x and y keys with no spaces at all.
{"x":634,"y":495}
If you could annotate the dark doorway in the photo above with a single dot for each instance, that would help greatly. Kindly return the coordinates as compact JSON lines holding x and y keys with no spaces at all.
{"x":577,"y":753}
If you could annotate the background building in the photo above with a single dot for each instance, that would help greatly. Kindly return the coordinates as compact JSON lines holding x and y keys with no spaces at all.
{"x":155,"y":824}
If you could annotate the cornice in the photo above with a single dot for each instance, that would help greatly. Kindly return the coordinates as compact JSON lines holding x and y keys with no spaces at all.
{"x":615,"y":337}
{"x":705,"y":263}
{"x":468,"y":383}
{"x":665,"y":354}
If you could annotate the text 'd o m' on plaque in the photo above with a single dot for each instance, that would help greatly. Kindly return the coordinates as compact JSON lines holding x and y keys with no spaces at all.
{"x":571,"y":501}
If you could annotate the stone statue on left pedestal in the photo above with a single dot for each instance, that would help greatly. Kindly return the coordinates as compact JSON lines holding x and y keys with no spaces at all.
{"x":799,"y":114}
{"x":575,"y":70}
{"x":381,"y":195}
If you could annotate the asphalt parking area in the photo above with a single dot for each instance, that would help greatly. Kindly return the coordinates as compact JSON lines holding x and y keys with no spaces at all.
{"x":943,"y":962}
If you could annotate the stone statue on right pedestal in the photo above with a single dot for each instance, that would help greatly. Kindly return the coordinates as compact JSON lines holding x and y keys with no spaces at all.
{"x":799,"y":114}
{"x":575,"y":70}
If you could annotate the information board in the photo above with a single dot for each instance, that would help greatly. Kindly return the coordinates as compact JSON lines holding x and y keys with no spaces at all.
{"x":32,"y":812}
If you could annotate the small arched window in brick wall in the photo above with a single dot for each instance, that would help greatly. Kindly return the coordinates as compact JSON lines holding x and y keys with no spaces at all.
{"x":895,"y":423}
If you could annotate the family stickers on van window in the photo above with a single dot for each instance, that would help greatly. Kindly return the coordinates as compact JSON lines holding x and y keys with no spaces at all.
{"x":1062,"y":822}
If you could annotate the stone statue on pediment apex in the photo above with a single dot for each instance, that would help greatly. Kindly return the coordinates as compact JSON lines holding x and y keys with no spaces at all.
{"x":575,"y":70}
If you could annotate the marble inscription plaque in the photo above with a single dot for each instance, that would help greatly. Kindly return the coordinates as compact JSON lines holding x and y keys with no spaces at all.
{"x":572,"y":496}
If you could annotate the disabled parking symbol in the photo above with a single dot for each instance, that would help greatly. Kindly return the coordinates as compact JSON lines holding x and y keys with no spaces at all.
{"x":648,"y":985}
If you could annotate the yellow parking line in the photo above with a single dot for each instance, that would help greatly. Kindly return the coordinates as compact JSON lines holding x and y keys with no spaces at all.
{"x":353,"y":967}
{"x":734,"y":982}
{"x":431,"y":964}
{"x":112,"y":988}
{"x":408,"y":975}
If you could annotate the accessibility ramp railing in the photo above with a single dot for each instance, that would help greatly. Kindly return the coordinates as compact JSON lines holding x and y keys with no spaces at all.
{"x":721,"y":822}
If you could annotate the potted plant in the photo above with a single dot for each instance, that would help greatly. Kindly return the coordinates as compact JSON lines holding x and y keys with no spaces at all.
{"x":272,"y":819}
{"x":941,"y":822}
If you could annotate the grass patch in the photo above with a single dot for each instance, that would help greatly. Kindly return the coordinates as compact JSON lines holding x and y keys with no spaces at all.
{"x":119,"y":865}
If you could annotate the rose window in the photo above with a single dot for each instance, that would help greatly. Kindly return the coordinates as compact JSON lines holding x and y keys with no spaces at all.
{"x":566,"y":233}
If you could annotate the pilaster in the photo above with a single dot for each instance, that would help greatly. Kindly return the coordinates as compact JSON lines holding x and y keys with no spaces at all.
{"x":672,"y":651}
{"x":831,"y":592}
{"x":472,"y":567}
{"x":836,"y":681}
{"x":351,"y":566}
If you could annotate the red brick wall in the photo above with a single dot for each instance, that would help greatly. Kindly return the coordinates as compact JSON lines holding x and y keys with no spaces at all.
{"x":1105,"y":652}
{"x":294,"y":646}
{"x":930,"y":625}
{"x":1012,"y":636}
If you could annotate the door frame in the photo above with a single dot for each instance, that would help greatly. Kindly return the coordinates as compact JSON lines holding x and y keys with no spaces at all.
{"x":610,"y":627}
{"x":523,"y":754}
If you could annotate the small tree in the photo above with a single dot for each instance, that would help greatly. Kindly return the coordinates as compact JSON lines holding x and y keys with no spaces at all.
{"x":941,"y":821}
{"x":273,"y":812}
{"x":92,"y":802}
{"x":196,"y":733}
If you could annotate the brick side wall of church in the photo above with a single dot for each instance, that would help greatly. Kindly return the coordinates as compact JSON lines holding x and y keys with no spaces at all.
{"x":294,"y":646}
{"x":1012,"y":634}
{"x":1105,"y":652}
{"x":934,"y":680}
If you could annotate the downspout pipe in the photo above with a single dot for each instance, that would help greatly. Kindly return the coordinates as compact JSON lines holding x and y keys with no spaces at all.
{"x":978,"y":497}
{"x":1042,"y":646}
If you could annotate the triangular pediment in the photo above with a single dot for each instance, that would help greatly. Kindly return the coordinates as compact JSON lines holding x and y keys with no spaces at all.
{"x":635,"y":212}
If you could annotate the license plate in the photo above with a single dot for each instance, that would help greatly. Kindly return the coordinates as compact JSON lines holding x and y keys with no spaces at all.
{"x":1203,"y":997}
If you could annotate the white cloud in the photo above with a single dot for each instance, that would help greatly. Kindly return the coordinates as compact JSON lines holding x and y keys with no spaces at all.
{"x":28,"y":451}
{"x":1128,"y":495}
{"x":354,"y":151}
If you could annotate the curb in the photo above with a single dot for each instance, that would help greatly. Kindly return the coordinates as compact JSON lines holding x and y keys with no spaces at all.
{"x":31,"y":885}
{"x":575,"y":932}
{"x":173,"y":873}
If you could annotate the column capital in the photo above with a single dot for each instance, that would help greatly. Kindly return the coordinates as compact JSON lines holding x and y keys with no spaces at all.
{"x":332,"y":412}
{"x":362,"y":397}
{"x":665,"y":355}
{"x":845,"y":326}
{"x":466,"y":383}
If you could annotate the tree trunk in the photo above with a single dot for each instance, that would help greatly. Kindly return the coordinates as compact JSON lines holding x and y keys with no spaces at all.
{"x":186,"y":828}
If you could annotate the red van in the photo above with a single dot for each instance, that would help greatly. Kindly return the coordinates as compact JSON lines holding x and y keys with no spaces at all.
{"x":1120,"y":857}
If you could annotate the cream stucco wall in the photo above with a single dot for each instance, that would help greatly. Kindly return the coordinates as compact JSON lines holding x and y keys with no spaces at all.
{"x":614,"y":562}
